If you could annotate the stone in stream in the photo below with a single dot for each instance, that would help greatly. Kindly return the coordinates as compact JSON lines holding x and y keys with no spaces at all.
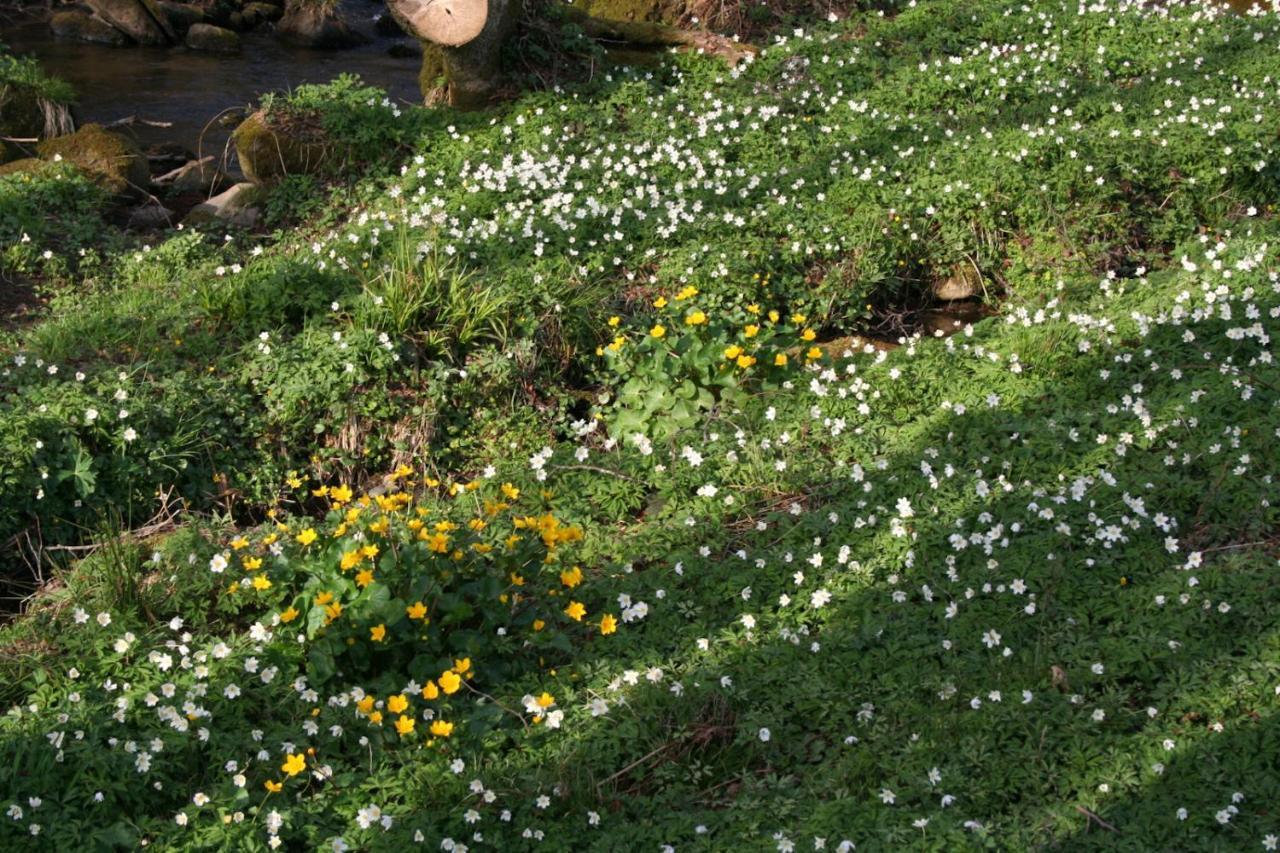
{"x":113,"y":161}
{"x":213,"y":39}
{"x":181,"y":16}
{"x":311,"y":25}
{"x":255,"y":14}
{"x":150,"y":217}
{"x":81,"y":26}
{"x":141,"y":20}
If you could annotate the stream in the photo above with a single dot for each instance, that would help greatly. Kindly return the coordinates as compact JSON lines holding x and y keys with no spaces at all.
{"x":188,"y":89}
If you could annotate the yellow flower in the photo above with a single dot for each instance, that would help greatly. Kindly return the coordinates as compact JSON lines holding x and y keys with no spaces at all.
{"x":430,"y":691}
{"x":608,"y":624}
{"x":572,"y":577}
{"x":340,"y":494}
{"x":252,"y":564}
{"x":397,"y":704}
{"x":745,"y":361}
{"x":307,"y":536}
{"x":773,"y":316}
{"x":538,"y":624}
{"x":658,"y":331}
{"x":687,"y":292}
{"x":376,"y":718}
{"x":273,"y":787}
{"x":404,"y":725}
{"x":614,"y":321}
{"x":575,"y":611}
{"x":732,"y":352}
{"x":320,"y":492}
{"x":449,"y":682}
{"x":417,"y":610}
{"x":441,"y":729}
{"x":378,"y":633}
{"x":753,"y":309}
{"x":364,"y":578}
{"x":750,"y":331}
{"x":798,"y":319}
{"x":369,"y":552}
{"x":365,"y":705}
{"x":660,"y":302}
{"x":323,"y":598}
{"x":697,"y":318}
{"x":294,"y":482}
{"x":510,"y":491}
{"x":462,"y":666}
{"x":260,"y":582}
{"x":238,"y":543}
{"x":294,"y":764}
{"x":289,"y":615}
{"x":808,"y":335}
{"x":780,"y":359}
{"x":546,"y":700}
{"x":813,"y":354}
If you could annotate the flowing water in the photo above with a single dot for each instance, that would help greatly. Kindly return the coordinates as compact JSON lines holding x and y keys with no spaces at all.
{"x":187,"y":89}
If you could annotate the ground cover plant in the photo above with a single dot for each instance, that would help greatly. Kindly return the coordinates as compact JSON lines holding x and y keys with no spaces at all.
{"x":595,"y":478}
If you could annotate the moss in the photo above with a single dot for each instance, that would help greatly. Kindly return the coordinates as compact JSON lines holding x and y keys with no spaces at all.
{"x":272,"y":146}
{"x":24,"y":166}
{"x":431,"y":76}
{"x":630,"y":10}
{"x":114,"y":161}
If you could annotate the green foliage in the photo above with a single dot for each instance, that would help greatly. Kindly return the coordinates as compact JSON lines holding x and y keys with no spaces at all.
{"x":49,"y":218}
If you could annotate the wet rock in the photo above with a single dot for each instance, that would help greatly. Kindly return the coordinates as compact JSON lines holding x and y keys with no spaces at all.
{"x":150,"y":217}
{"x":213,"y":39}
{"x":140,"y":20}
{"x":962,"y":282}
{"x":113,"y":161}
{"x":308,"y":25}
{"x":256,"y":14}
{"x":269,"y":148}
{"x":181,"y":16}
{"x":237,"y":206}
{"x":81,"y":26}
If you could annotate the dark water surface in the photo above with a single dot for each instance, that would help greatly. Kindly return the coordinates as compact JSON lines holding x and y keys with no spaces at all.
{"x":189,"y":88}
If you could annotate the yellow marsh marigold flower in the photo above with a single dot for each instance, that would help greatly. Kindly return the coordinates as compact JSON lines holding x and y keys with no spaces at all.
{"x":660,"y":302}
{"x":808,"y":334}
{"x":732,"y":352}
{"x":510,"y":491}
{"x":340,"y":494}
{"x":798,"y":319}
{"x":369,"y":552}
{"x":364,"y":578}
{"x":376,"y":718}
{"x":745,"y":361}
{"x":365,"y":705}
{"x":462,"y":666}
{"x":294,"y":764}
{"x":273,"y":787}
{"x":545,"y":701}
{"x":381,"y":526}
{"x":252,"y":564}
{"x":813,"y":354}
{"x":449,"y":682}
{"x":323,"y":598}
{"x":289,"y":615}
{"x":441,"y":729}
{"x":378,"y":633}
{"x":658,"y":331}
{"x":404,"y":725}
{"x":294,"y":482}
{"x":307,"y":536}
{"x":320,"y":492}
{"x":614,"y":321}
{"x":572,"y":577}
{"x":687,"y":292}
{"x":397,"y":704}
{"x":430,"y":691}
{"x":697,"y":318}
{"x":750,"y":331}
{"x":239,"y":543}
{"x":333,"y":611}
{"x":608,"y":625}
{"x":780,"y":360}
{"x":417,"y":610}
{"x":261,"y":583}
{"x":575,"y":611}
{"x":538,"y":624}
{"x":773,"y":316}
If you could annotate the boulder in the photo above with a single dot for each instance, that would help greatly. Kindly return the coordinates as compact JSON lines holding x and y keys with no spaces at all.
{"x":213,"y":39}
{"x":25,"y":165}
{"x":237,"y":206}
{"x":962,"y":282}
{"x":310,"y":25}
{"x":269,"y":147}
{"x":259,"y":13}
{"x":150,"y":217}
{"x":113,"y":161}
{"x":81,"y":26}
{"x":140,"y":20}
{"x":181,"y":16}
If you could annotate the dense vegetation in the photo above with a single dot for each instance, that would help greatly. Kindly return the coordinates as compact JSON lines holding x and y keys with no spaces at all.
{"x":595,"y":473}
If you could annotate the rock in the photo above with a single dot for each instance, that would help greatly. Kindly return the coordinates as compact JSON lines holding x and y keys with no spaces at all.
{"x":962,"y":282}
{"x":310,"y":25}
{"x":387,"y":25}
{"x":149,"y":217}
{"x":213,"y":39}
{"x":237,"y":206}
{"x":268,"y":149}
{"x":140,"y":20}
{"x":113,"y":161}
{"x":258,"y":13}
{"x":26,"y":114}
{"x":25,"y":165}
{"x":400,"y":50}
{"x":181,"y":16}
{"x":81,"y":26}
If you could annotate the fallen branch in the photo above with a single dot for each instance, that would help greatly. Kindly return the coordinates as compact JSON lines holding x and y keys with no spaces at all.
{"x":129,"y":121}
{"x":169,"y":176}
{"x":1095,"y":819}
{"x":652,"y":35}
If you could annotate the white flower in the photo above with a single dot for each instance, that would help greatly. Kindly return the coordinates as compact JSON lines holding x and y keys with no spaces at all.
{"x":764,"y":735}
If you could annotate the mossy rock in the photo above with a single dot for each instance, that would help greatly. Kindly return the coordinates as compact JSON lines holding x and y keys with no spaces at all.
{"x":21,"y":115}
{"x":213,"y":39}
{"x":81,"y":26}
{"x":270,"y":146}
{"x":24,"y":166}
{"x":113,"y":161}
{"x":431,"y":76}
